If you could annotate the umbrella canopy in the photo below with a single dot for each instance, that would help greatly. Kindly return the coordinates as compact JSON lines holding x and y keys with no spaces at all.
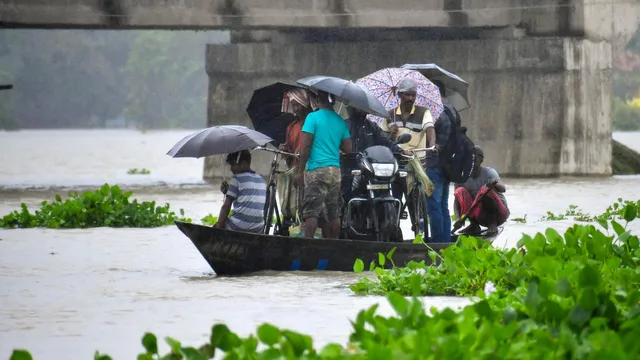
{"x":455,"y":85}
{"x":347,"y":92}
{"x":383,"y":84}
{"x":265,"y":111}
{"x":216,"y":140}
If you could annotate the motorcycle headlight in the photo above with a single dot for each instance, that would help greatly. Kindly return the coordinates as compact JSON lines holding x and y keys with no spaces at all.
{"x":385,"y":170}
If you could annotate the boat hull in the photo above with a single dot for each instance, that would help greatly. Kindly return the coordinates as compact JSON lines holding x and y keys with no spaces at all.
{"x":237,"y":253}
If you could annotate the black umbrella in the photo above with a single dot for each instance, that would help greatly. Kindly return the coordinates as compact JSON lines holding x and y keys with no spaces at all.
{"x":455,"y":85}
{"x":347,"y":92}
{"x":265,"y":111}
{"x":217,"y":140}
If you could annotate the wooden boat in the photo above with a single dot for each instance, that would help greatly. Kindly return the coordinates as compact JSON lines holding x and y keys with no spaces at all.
{"x":236,"y":253}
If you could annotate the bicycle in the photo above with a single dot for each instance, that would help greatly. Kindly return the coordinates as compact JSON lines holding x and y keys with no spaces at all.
{"x":271,"y":204}
{"x":420,"y":218}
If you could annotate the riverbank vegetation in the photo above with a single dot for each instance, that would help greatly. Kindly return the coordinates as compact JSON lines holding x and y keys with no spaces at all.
{"x":626,"y":88}
{"x":575,"y":295}
{"x":96,"y":79}
{"x":107,"y":206}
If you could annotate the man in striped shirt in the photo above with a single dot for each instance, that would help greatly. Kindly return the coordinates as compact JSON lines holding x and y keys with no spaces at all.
{"x":247,"y":193}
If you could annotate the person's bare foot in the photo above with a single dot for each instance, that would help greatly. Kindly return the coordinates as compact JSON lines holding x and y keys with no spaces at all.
{"x":473,"y":228}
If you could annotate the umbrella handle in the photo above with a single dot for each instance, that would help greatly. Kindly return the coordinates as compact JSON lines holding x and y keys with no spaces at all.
{"x":224,"y":169}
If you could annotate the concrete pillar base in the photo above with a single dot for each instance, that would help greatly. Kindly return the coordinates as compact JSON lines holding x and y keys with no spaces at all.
{"x":540,"y":106}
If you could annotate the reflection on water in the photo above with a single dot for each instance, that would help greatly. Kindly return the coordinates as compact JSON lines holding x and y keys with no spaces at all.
{"x":66,"y":293}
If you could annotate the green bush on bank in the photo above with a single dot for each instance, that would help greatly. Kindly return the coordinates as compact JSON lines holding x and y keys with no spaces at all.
{"x":107,"y":206}
{"x":557,"y":296}
{"x":625,"y":117}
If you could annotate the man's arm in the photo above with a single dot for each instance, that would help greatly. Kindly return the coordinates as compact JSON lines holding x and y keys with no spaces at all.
{"x":444,"y":123}
{"x":383,"y":139}
{"x":224,"y":212}
{"x":428,"y":125}
{"x":307,"y":141}
{"x":345,"y":145}
{"x":494,"y":177}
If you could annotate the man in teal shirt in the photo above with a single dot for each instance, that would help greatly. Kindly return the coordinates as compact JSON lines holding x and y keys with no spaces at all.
{"x":324,"y":134}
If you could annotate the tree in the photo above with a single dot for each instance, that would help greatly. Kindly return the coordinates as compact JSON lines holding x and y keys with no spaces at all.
{"x":166,"y":80}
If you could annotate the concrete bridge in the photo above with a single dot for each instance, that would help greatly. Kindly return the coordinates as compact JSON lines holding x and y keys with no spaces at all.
{"x":540,"y":70}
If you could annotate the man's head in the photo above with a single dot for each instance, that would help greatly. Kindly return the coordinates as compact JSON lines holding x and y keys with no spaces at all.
{"x":440,"y":85}
{"x":356,"y":114}
{"x":239,"y":161}
{"x":322,"y":99}
{"x":297,"y":101}
{"x":407,"y":89}
{"x":479,"y":157}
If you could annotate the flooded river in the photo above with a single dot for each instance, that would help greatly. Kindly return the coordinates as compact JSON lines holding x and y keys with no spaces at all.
{"x":66,"y":293}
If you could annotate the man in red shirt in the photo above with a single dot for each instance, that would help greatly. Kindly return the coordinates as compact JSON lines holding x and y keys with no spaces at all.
{"x":295,"y":101}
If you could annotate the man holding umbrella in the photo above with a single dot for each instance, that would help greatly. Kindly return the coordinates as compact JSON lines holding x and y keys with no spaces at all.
{"x":412,"y":119}
{"x":324,"y":134}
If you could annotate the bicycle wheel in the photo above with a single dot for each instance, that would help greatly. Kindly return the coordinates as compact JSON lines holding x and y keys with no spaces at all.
{"x":269,"y":208}
{"x":421,"y":214}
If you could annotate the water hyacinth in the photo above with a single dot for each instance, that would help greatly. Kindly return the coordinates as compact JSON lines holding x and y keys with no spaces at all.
{"x":570,"y":296}
{"x":489,"y":288}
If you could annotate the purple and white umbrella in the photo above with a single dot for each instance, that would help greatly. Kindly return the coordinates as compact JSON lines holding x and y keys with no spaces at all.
{"x":383,"y":85}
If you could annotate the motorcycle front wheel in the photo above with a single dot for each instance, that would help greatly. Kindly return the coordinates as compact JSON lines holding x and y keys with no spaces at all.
{"x":389,"y":225}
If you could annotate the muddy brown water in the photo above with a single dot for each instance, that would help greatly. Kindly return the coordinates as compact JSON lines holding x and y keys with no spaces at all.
{"x":66,"y":293}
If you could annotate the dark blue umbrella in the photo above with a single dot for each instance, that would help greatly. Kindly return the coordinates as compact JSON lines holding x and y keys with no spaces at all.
{"x":347,"y":92}
{"x":217,"y":140}
{"x":455,"y":85}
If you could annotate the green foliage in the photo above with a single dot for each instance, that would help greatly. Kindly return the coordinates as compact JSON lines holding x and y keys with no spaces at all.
{"x":464,"y":269}
{"x":107,"y":206}
{"x":521,"y":220}
{"x":161,"y":65}
{"x":575,"y":296}
{"x":211,"y":220}
{"x":136,"y":171}
{"x":625,"y":117}
{"x":570,"y":297}
{"x":625,"y":85}
{"x":81,"y":79}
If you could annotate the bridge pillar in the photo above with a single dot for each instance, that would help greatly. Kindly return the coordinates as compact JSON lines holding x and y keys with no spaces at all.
{"x":540,"y":106}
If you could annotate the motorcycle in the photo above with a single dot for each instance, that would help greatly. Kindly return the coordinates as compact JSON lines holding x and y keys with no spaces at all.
{"x":372,"y":212}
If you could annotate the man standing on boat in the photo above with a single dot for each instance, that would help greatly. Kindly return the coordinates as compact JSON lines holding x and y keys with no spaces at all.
{"x":411,"y":119}
{"x":492,"y":210}
{"x":438,"y":202}
{"x":325,"y":133}
{"x":297,"y":102}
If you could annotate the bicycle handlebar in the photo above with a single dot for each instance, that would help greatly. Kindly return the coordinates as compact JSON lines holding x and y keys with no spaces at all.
{"x":277,"y":151}
{"x":414,"y":151}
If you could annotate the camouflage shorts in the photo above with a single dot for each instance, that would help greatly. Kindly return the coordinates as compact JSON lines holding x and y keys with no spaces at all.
{"x":322,"y":192}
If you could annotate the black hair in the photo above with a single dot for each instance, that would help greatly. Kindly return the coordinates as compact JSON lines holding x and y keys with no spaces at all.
{"x":440,"y":85}
{"x":238,"y":157}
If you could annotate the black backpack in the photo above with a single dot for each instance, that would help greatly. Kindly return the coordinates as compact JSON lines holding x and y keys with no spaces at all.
{"x":458,"y":157}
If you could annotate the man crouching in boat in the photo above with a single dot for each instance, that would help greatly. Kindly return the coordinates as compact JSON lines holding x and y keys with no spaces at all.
{"x":247,"y":193}
{"x":492,"y":210}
